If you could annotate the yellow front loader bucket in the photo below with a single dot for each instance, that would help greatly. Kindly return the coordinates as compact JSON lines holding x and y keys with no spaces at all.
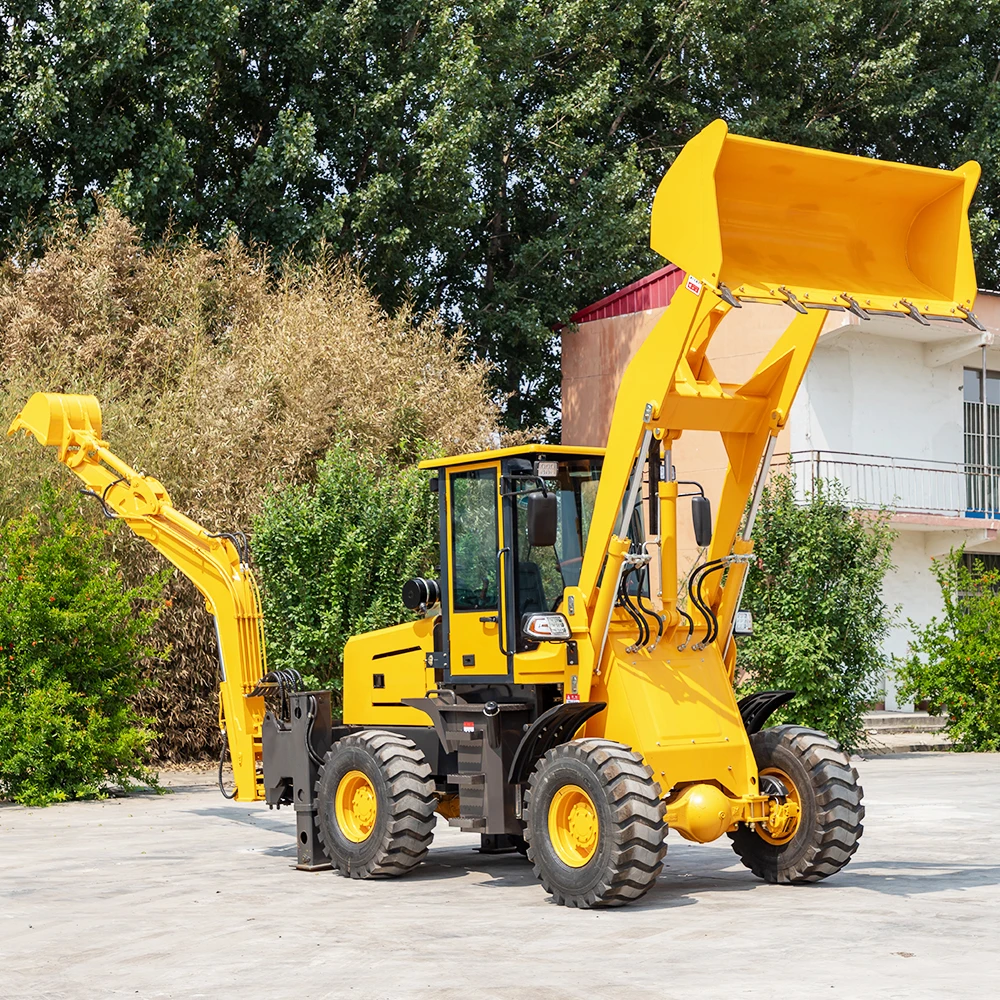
{"x":786,"y":223}
{"x":55,"y":419}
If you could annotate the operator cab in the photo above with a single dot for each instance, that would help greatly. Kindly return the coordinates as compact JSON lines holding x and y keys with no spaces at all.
{"x":513,"y":531}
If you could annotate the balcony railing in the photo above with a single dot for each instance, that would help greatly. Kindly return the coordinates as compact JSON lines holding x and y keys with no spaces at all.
{"x":903,"y":485}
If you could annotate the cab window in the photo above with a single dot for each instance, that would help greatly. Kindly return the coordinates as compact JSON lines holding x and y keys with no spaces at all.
{"x":544,"y":572}
{"x":474,"y":540}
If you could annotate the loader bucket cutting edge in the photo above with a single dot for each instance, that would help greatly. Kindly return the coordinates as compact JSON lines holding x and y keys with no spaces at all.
{"x":756,"y":215}
{"x":52,"y":417}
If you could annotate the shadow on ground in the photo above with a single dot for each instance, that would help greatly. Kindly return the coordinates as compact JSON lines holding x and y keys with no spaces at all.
{"x":690,"y":871}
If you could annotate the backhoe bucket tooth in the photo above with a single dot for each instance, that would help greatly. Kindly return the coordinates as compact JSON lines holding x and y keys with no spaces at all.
{"x":756,"y":215}
{"x":54,"y":419}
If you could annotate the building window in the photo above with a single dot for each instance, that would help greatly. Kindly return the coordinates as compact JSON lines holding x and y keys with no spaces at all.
{"x":981,"y":560}
{"x":982,"y":449}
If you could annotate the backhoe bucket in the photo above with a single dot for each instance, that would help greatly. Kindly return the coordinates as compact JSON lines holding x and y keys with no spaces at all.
{"x":760,"y":217}
{"x":55,"y":419}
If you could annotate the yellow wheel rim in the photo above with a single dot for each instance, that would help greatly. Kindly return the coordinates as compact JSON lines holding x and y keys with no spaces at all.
{"x":791,"y":826}
{"x":356,"y":806}
{"x":573,"y":826}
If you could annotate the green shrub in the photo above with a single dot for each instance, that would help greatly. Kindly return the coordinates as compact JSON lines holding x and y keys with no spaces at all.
{"x":954,"y":661}
{"x":816,"y":597}
{"x":333,"y":558}
{"x":71,"y":641}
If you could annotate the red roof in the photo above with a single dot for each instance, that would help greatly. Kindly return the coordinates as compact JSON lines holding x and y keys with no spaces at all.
{"x":652,"y":292}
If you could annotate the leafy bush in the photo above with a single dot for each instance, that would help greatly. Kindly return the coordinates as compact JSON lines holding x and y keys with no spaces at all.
{"x":71,"y":638}
{"x":333,"y":557}
{"x":219,"y":378}
{"x":954,"y":661}
{"x":816,"y":597}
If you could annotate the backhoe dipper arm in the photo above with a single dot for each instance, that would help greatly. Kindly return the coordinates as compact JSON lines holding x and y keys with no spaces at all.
{"x":212,"y":563}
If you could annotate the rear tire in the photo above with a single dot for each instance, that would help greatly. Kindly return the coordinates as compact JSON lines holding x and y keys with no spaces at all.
{"x":602,"y":805}
{"x":375,"y":804}
{"x":829,"y":795}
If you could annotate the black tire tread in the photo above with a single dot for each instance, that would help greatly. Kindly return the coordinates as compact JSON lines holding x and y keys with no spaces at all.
{"x":410,"y":830}
{"x":837,"y":828}
{"x":639,"y":830}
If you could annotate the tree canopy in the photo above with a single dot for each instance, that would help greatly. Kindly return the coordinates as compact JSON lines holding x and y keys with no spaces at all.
{"x":494,"y":161}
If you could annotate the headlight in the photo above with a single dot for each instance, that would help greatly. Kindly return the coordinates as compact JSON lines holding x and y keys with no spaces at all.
{"x":546,"y":628}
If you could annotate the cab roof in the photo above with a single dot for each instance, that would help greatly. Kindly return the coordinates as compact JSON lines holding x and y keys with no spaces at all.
{"x":521,"y":449}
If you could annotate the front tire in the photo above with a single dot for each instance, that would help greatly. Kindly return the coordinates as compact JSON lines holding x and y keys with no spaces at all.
{"x":817,"y":775}
{"x":375,"y":804}
{"x":595,"y":830}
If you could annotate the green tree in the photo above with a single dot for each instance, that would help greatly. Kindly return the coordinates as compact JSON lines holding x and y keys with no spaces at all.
{"x":495,"y":161}
{"x":71,"y":640}
{"x":333,"y":558}
{"x":910,"y":80}
{"x":954,"y":660}
{"x":816,"y":596}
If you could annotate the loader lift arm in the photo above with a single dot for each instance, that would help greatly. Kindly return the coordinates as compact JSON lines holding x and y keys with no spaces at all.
{"x":215,"y":564}
{"x":884,"y":238}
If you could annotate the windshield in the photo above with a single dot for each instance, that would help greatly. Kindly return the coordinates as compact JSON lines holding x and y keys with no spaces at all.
{"x":544,"y":572}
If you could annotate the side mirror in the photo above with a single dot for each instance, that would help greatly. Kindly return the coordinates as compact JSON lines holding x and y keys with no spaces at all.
{"x":543,"y":517}
{"x":701,"y":515}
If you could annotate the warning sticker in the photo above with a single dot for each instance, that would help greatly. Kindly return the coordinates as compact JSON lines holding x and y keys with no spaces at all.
{"x":693,"y":285}
{"x":572,"y":697}
{"x":469,"y":727}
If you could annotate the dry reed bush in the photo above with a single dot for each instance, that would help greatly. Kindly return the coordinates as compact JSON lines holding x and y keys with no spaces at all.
{"x":220,"y":380}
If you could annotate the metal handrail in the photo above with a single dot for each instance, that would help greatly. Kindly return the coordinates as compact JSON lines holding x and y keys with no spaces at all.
{"x":904,"y":485}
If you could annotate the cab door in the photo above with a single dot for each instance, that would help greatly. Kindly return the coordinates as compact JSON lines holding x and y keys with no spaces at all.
{"x":476,"y":570}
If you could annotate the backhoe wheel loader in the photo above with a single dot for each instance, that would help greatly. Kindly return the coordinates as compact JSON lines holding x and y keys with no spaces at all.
{"x":543,"y":697}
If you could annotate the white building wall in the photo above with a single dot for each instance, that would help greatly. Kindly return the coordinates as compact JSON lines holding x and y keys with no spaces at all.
{"x":911,"y":592}
{"x":877,"y":396}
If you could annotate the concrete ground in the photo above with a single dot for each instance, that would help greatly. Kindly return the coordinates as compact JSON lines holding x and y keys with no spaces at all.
{"x":187,"y":895}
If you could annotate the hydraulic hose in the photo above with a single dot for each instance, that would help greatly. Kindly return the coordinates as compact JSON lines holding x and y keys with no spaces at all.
{"x":713,"y":632}
{"x":694,"y":593}
{"x":692,"y":582}
{"x":690,"y":622}
{"x":313,"y":756}
{"x":649,"y":611}
{"x":626,"y":602}
{"x":642,"y":627}
{"x":222,"y":761}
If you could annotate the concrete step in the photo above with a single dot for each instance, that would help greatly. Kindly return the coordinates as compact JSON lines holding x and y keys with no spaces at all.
{"x":904,"y":722}
{"x":902,"y":742}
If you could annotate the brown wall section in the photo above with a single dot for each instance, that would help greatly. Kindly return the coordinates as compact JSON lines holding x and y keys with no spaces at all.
{"x":594,"y":358}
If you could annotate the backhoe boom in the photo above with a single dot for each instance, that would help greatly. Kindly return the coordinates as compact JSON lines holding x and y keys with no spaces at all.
{"x":213,"y":563}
